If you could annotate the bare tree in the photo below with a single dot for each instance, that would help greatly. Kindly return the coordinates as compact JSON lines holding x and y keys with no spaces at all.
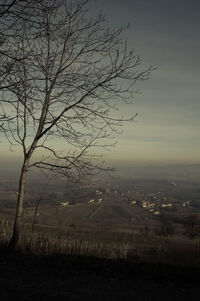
{"x":70,"y":77}
{"x":17,"y":8}
{"x":6,"y":6}
{"x":10,"y":12}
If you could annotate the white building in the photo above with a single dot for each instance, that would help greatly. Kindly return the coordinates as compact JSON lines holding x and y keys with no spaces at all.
{"x":91,"y":201}
{"x":166,"y":205}
{"x":64,"y":203}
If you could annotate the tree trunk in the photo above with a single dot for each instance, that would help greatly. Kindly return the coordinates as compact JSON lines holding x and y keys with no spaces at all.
{"x":19,"y":211}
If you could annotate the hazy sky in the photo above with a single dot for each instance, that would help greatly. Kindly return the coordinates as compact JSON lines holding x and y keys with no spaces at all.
{"x":166,"y":33}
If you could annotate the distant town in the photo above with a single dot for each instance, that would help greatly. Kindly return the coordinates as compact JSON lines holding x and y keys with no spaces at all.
{"x":120,"y":198}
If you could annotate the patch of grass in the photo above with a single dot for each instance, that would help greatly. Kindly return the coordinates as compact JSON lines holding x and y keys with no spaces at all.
{"x":105,"y":243}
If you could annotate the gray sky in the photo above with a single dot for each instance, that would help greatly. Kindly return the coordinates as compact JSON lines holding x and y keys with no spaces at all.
{"x":166,"y":35}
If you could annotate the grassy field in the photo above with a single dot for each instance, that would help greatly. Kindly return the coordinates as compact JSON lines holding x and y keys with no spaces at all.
{"x":97,"y":262}
{"x":105,"y":241}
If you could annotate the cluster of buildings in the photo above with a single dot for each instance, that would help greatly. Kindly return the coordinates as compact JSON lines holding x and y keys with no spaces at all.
{"x":98,"y":198}
{"x":154,"y":203}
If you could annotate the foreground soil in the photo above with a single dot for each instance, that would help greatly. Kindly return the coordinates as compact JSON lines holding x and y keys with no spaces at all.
{"x":24,"y":276}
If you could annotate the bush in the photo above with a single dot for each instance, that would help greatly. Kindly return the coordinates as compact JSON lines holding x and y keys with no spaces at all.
{"x":192,"y":226}
{"x":166,"y":228}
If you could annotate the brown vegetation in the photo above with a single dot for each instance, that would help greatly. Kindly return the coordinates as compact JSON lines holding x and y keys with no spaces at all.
{"x":140,"y":244}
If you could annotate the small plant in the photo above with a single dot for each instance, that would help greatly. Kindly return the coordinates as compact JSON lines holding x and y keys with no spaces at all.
{"x":192,"y":227}
{"x":166,"y":228}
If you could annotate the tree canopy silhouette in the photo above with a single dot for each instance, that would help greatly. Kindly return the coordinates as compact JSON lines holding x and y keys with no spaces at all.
{"x":62,"y":93}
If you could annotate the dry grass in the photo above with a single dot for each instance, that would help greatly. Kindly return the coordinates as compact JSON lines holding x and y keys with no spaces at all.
{"x":105,"y":243}
{"x":54,"y":241}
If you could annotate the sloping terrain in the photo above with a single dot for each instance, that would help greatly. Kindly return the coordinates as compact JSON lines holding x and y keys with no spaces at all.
{"x":114,"y":209}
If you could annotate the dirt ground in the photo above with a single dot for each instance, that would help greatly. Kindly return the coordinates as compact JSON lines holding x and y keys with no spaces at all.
{"x":27,"y":277}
